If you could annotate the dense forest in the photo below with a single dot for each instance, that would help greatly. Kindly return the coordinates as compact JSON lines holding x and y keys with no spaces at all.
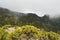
{"x":29,"y":26}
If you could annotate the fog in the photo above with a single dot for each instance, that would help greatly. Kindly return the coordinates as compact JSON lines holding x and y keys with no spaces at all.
{"x":40,"y":7}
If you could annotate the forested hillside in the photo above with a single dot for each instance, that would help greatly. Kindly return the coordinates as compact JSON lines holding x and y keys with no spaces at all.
{"x":9,"y":17}
{"x":16,"y":18}
{"x":50,"y":27}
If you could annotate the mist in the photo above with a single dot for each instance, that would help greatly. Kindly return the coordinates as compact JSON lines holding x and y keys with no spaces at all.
{"x":39,"y":7}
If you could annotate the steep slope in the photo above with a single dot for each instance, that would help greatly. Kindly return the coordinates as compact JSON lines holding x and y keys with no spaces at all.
{"x":9,"y":17}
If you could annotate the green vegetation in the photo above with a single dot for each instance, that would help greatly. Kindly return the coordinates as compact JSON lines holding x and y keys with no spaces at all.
{"x":18,"y":26}
{"x":27,"y":32}
{"x":15,"y":18}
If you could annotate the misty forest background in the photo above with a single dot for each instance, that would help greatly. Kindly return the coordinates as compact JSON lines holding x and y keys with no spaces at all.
{"x":8,"y":17}
{"x":16,"y":18}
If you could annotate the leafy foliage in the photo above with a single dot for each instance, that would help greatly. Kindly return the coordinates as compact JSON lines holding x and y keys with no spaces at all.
{"x":27,"y":32}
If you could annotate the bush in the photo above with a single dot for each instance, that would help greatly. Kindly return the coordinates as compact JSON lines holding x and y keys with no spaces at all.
{"x":26,"y":32}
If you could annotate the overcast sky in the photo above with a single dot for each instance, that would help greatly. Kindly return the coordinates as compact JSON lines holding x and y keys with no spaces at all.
{"x":40,"y":7}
